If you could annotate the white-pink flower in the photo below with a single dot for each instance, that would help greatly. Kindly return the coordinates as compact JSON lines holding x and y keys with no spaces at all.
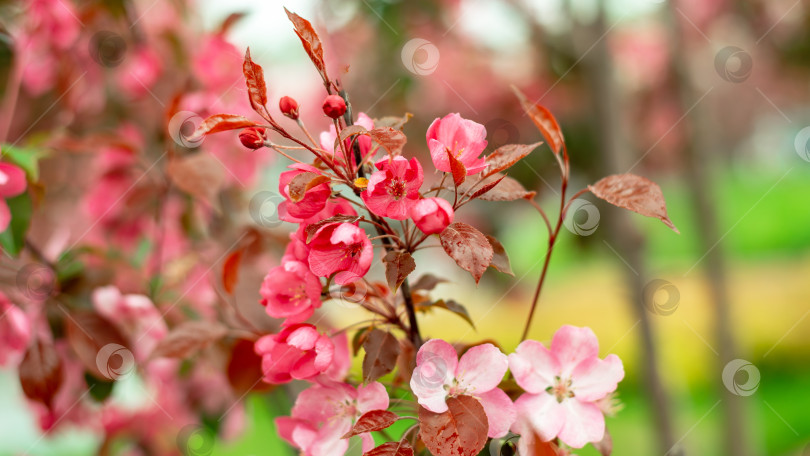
{"x":439,"y":374}
{"x":562,"y":387}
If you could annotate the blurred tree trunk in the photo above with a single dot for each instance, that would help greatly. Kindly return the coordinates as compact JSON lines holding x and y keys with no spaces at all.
{"x":615,"y":157}
{"x":698,"y":167}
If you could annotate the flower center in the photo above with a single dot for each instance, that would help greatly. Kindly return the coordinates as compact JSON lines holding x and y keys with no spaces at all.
{"x":561,"y":389}
{"x":396,"y":188}
{"x":352,"y":250}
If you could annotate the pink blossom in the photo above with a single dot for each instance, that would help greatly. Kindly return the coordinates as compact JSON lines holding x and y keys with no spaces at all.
{"x":327,"y":139}
{"x":342,"y":248}
{"x":439,"y":374}
{"x":314,"y":199}
{"x":140,"y":72}
{"x":291,"y":291}
{"x":12,"y":183}
{"x":463,"y":138}
{"x":15,"y":332}
{"x":432,"y":215}
{"x":297,"y":352}
{"x":134,"y":315}
{"x":324,"y":413}
{"x":334,"y":206}
{"x":563,"y":386}
{"x":394,"y":188}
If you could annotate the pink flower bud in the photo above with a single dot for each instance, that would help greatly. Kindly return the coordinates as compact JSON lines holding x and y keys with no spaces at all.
{"x":288,"y":107}
{"x":334,"y":106}
{"x":432,"y":215}
{"x":253,"y":138}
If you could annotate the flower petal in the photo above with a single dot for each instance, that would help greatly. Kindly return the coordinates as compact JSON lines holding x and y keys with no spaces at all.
{"x":481,"y":369}
{"x":572,"y":345}
{"x":594,"y":378}
{"x":500,"y":410}
{"x":541,"y":413}
{"x":372,"y":397}
{"x":583,"y":423}
{"x":533,"y":366}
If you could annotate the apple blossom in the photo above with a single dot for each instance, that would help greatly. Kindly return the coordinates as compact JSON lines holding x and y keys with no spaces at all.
{"x":291,"y":291}
{"x":314,"y":199}
{"x":297,"y":352}
{"x":440,"y":374}
{"x":393,"y":190}
{"x":563,"y":386}
{"x":12,"y":183}
{"x":432,"y":215}
{"x":463,"y":138}
{"x":15,"y":332}
{"x":342,"y":248}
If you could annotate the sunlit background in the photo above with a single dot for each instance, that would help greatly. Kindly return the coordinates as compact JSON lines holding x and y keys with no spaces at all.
{"x":709,"y":98}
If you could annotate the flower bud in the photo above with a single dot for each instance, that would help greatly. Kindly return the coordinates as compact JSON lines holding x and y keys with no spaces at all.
{"x":253,"y":137}
{"x":288,"y":107}
{"x":432,"y":215}
{"x":334,"y":106}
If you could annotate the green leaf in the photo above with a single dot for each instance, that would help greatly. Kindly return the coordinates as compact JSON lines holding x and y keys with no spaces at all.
{"x":13,"y":238}
{"x":26,"y":158}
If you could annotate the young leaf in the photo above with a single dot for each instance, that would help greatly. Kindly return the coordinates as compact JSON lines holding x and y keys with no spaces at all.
{"x":230,"y":270}
{"x":634,"y":193}
{"x":360,"y":338}
{"x":13,"y":238}
{"x":390,"y":139}
{"x":382,"y":350}
{"x":500,"y":260}
{"x":309,"y":39}
{"x":544,"y":121}
{"x":41,"y":372}
{"x":398,"y":265}
{"x":401,"y":448}
{"x":200,"y":175}
{"x":457,"y":168}
{"x":220,"y":122}
{"x":88,"y":333}
{"x":498,"y":187}
{"x":393,"y":121}
{"x":427,"y":282}
{"x":188,"y":338}
{"x":506,"y":156}
{"x":468,"y":247}
{"x":375,"y":420}
{"x":340,"y":218}
{"x":257,"y":90}
{"x":349,"y":131}
{"x":460,"y":431}
{"x":456,"y":308}
{"x":302,"y":182}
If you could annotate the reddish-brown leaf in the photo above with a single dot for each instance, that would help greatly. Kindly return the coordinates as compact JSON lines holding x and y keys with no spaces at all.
{"x":460,"y":431}
{"x":200,"y":175}
{"x":390,"y":139}
{"x":245,"y":369}
{"x":230,"y":270}
{"x":310,"y":41}
{"x":382,"y":350}
{"x":220,"y":122}
{"x":41,"y":372}
{"x":468,"y":247}
{"x":500,"y":260}
{"x":506,"y":156}
{"x":393,"y":121}
{"x":457,"y":169}
{"x":359,"y":338}
{"x":257,"y":90}
{"x":401,"y":448}
{"x":398,"y":265}
{"x":456,"y":308}
{"x":188,"y":338}
{"x":348,"y":132}
{"x":544,"y":121}
{"x":302,"y":182}
{"x":375,"y":420}
{"x":88,"y":333}
{"x":340,"y":218}
{"x":498,"y":187}
{"x":634,"y":193}
{"x":487,"y":186}
{"x":427,"y":282}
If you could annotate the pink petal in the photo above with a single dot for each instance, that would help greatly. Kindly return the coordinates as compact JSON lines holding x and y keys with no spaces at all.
{"x":481,"y":369}
{"x":436,"y":364}
{"x":500,"y":410}
{"x":368,"y":441}
{"x":341,"y":360}
{"x":285,"y":426}
{"x":372,"y":397}
{"x":5,"y":215}
{"x":584,"y":423}
{"x":533,"y":366}
{"x":572,"y":345}
{"x":435,"y":400}
{"x":594,"y":378}
{"x":12,"y":180}
{"x":542,"y":413}
{"x":303,"y":338}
